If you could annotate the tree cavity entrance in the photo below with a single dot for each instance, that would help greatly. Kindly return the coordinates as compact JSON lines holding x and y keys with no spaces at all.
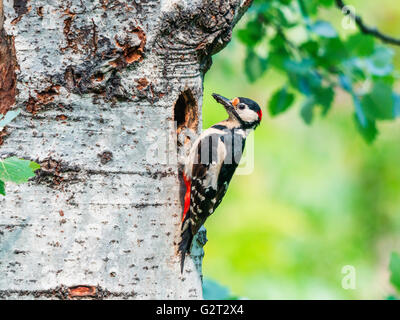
{"x":186,"y":117}
{"x":186,"y":113}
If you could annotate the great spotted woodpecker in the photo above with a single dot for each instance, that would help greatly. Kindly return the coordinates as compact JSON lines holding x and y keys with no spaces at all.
{"x":212,"y":161}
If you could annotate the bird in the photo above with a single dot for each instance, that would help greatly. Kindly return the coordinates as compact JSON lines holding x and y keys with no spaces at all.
{"x":211,"y":163}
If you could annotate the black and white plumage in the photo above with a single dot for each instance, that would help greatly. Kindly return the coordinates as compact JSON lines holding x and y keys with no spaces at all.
{"x":211,"y":163}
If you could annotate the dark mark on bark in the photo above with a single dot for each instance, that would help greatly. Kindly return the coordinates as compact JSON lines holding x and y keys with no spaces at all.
{"x":62,"y":117}
{"x":94,"y":37}
{"x":12,"y":227}
{"x":3,"y":135}
{"x":21,"y":8}
{"x":39,"y":11}
{"x":142,"y":84}
{"x":43,"y":98}
{"x":105,"y":58}
{"x":55,"y":173}
{"x":20,"y":252}
{"x":114,"y":89}
{"x":131,"y":52}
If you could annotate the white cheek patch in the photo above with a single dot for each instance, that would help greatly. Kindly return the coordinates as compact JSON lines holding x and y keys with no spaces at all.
{"x":248,"y":115}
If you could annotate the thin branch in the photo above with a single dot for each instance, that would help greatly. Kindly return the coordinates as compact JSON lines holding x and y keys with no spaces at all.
{"x":366,"y":29}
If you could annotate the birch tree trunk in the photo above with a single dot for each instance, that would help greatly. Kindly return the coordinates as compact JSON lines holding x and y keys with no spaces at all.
{"x":101,"y":84}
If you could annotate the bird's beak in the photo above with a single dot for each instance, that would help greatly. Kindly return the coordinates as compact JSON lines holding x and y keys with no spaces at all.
{"x":224,"y":101}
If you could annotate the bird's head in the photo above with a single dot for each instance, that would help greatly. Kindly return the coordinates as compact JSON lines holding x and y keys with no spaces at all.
{"x":243,"y":110}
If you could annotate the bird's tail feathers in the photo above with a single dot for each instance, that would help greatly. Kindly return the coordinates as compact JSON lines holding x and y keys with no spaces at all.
{"x":186,"y":241}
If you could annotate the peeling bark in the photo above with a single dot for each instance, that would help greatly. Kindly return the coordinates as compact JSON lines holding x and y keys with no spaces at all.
{"x":8,"y":66}
{"x":100,"y":84}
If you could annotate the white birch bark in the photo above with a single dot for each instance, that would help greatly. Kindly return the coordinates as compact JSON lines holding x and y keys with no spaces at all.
{"x":98,"y":82}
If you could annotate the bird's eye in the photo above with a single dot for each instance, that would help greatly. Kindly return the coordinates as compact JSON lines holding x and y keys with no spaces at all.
{"x":241,"y":106}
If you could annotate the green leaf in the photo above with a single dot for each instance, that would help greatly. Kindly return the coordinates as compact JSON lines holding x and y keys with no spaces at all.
{"x":17,"y":170}
{"x":302,"y":75}
{"x":285,"y":18}
{"x":394,"y":267}
{"x":252,"y":34}
{"x":299,"y":67}
{"x":255,"y":66}
{"x":2,"y":188}
{"x":355,"y":68}
{"x":285,"y":2}
{"x":310,"y":7}
{"x":278,"y":53}
{"x":379,"y":103}
{"x":360,"y":114}
{"x":307,"y":110}
{"x":280,"y":101}
{"x":34,"y":166}
{"x":311,"y":47}
{"x":367,"y":130}
{"x":324,"y":97}
{"x":10,"y":116}
{"x":326,"y":3}
{"x":260,"y":6}
{"x":332,"y":52}
{"x":361,"y":44}
{"x":324,"y":29}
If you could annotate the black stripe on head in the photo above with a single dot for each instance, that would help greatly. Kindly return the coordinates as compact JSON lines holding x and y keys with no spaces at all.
{"x":250,"y":103}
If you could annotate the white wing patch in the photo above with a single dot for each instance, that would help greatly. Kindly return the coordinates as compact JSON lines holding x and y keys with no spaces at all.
{"x":193,"y":150}
{"x":211,"y":179}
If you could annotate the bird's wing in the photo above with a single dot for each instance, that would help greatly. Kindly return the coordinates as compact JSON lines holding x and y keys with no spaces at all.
{"x":205,"y":162}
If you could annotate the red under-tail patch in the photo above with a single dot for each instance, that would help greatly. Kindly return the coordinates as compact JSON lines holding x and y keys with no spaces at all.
{"x":188,"y":184}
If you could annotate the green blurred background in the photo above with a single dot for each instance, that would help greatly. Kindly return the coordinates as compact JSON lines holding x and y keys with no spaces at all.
{"x":319,"y":197}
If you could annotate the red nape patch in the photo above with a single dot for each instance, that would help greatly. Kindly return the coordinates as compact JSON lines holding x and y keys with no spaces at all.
{"x":259,"y":114}
{"x":188,"y":185}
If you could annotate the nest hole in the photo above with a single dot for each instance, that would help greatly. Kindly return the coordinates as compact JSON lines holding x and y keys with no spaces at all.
{"x":186,"y":117}
{"x":186,"y":112}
